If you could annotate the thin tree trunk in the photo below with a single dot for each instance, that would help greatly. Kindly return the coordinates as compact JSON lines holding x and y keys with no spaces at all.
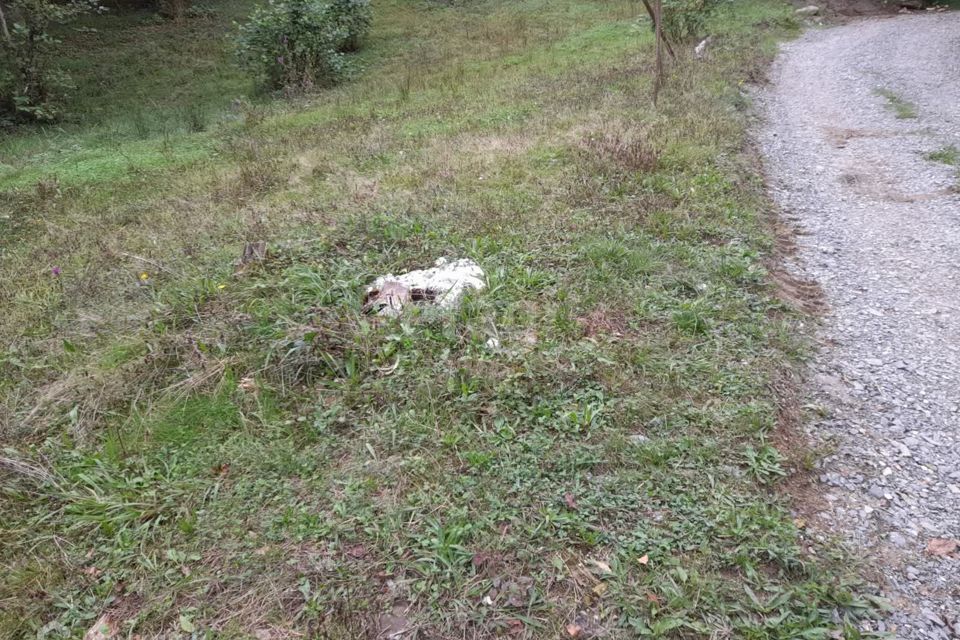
{"x":658,"y":83}
{"x":3,"y":26}
{"x":653,"y":18}
{"x":176,"y":10}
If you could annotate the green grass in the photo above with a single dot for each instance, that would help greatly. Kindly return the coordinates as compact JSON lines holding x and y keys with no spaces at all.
{"x":244,"y":453}
{"x":947,"y":155}
{"x":145,"y":87}
{"x":902,"y":108}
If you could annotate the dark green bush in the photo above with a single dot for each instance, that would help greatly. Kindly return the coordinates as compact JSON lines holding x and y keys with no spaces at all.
{"x":355,"y":17}
{"x":685,"y":19}
{"x":299,"y":44}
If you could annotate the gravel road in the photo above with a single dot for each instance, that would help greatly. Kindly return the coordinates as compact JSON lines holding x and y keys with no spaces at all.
{"x":879,"y":229}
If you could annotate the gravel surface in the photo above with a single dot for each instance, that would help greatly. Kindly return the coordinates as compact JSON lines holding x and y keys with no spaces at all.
{"x":879,"y":229}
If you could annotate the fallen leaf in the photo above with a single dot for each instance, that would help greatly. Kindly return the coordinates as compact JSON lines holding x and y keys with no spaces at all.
{"x":186,"y":624}
{"x":516,"y":627}
{"x":602,"y":566}
{"x":943,"y":547}
{"x":253,"y":252}
{"x":570,"y":501}
{"x":600,"y":588}
{"x":393,"y":625}
{"x":652,"y":597}
{"x":93,"y":572}
{"x":574,"y":630}
{"x":644,"y":559}
{"x":482,"y":560}
{"x":357,"y":551}
{"x":103,"y":629}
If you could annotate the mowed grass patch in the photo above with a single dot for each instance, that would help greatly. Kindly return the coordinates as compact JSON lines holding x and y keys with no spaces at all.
{"x":197,"y":448}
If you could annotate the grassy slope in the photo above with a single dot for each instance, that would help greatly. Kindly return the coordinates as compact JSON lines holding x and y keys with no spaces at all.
{"x":142,"y":86}
{"x":250,"y":453}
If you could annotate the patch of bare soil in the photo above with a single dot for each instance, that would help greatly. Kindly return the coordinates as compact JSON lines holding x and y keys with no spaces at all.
{"x":861,"y":7}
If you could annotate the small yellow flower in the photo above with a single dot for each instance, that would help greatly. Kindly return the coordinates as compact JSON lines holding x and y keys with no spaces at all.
{"x":221,"y":286}
{"x":144,"y":276}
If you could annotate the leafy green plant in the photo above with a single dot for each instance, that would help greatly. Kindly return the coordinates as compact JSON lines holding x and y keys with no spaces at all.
{"x":299,"y":44}
{"x":690,"y":319}
{"x":685,"y":19}
{"x":31,"y":82}
{"x":764,"y":463}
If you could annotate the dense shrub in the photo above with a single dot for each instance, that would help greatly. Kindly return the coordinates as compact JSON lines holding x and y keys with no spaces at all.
{"x":685,"y":19}
{"x":298,"y":44}
{"x":355,"y":17}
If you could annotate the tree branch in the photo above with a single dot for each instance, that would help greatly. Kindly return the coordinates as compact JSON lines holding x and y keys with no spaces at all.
{"x":658,"y":83}
{"x":656,"y":20}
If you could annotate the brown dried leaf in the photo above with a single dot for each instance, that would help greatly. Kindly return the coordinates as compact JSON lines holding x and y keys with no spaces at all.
{"x":570,"y":501}
{"x":483,"y":560}
{"x":602,"y":566}
{"x":393,"y":625}
{"x":253,"y":252}
{"x":103,"y":629}
{"x":574,"y":630}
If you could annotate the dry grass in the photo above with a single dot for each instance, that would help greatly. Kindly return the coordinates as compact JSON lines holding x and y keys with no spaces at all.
{"x":621,"y":147}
